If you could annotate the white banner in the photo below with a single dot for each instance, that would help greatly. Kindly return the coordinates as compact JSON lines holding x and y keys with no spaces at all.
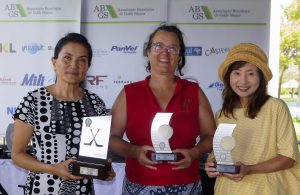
{"x":210,"y":29}
{"x":117,"y":31}
{"x":29,"y":33}
{"x":117,"y":38}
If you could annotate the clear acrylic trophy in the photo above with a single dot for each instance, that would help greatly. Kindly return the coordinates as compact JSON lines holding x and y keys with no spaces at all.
{"x":223,"y":143}
{"x":92,"y":159}
{"x":161,"y":132}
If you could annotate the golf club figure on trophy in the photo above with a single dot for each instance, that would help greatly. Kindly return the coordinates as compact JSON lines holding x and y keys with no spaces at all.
{"x":92,"y":159}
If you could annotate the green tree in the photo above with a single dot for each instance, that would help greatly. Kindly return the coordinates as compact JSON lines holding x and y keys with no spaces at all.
{"x":290,"y":40}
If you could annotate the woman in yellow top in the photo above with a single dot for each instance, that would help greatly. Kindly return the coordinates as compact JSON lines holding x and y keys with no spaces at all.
{"x":266,"y":146}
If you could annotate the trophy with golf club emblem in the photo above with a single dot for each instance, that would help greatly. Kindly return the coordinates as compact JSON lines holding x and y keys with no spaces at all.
{"x":92,"y":159}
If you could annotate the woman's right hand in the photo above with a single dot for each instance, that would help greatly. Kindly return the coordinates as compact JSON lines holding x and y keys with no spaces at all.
{"x":62,"y":170}
{"x":141,"y":156}
{"x":210,"y":169}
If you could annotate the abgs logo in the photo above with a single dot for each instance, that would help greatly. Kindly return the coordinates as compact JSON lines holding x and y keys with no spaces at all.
{"x":15,"y":10}
{"x":104,"y":11}
{"x":200,"y":12}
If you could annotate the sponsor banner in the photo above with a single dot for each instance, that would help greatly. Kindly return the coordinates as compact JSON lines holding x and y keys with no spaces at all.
{"x":29,"y":33}
{"x":39,"y":10}
{"x":118,"y":42}
{"x":219,"y":12}
{"x":124,"y":11}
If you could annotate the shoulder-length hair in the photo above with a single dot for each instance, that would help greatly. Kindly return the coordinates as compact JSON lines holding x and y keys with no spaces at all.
{"x":231,"y":100}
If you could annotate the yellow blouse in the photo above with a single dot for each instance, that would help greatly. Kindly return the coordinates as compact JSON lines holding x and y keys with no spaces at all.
{"x":271,"y":133}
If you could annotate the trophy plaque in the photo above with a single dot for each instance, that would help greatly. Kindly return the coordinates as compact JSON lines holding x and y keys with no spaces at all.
{"x":92,"y":159}
{"x":161,"y":132}
{"x":223,"y":143}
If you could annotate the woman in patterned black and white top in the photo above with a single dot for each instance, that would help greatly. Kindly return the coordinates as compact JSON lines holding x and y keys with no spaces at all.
{"x":51,"y":118}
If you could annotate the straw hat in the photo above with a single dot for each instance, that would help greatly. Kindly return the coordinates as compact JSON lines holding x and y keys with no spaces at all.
{"x":247,"y":52}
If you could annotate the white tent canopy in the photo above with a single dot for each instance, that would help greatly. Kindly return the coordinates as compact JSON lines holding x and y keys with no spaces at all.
{"x":290,"y":84}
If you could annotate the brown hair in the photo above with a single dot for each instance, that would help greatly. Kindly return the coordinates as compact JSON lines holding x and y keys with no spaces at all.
{"x":231,"y":100}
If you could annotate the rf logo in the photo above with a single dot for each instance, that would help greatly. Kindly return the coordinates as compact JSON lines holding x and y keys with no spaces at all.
{"x":95,"y":79}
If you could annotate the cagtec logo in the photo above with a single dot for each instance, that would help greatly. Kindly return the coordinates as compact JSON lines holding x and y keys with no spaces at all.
{"x":105,"y":11}
{"x":193,"y":51}
{"x":124,"y":49}
{"x":216,"y":51}
{"x":15,"y":10}
{"x":32,"y":48}
{"x":200,"y":12}
{"x":216,"y":85}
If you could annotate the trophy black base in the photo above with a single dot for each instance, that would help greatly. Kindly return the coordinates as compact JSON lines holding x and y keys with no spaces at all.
{"x":227,"y":168}
{"x":163,"y":156}
{"x":90,"y":170}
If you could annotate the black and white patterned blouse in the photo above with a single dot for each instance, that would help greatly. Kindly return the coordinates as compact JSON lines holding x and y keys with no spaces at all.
{"x":56,"y":136}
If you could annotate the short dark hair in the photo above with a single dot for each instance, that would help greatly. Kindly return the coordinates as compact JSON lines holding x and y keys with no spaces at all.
{"x":179,"y":34}
{"x":74,"y":38}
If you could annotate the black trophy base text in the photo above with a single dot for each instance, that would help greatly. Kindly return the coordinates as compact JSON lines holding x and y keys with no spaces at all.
{"x":233,"y":169}
{"x":90,"y":170}
{"x":163,"y":156}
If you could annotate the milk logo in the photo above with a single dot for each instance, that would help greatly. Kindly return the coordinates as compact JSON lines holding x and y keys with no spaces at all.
{"x":200,"y":12}
{"x":105,"y":11}
{"x":33,"y":80}
{"x":15,"y":10}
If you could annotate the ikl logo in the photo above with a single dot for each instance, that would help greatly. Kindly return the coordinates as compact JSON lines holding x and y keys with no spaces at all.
{"x":7,"y":48}
{"x":105,"y":11}
{"x":200,"y":12}
{"x":15,"y":10}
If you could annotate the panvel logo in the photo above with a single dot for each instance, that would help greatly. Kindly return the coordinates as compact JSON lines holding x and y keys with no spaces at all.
{"x":193,"y":51}
{"x":33,"y":80}
{"x":216,"y":85}
{"x":10,"y":110}
{"x":216,"y":51}
{"x":7,"y":48}
{"x":32,"y":48}
{"x":15,"y":10}
{"x":200,"y":12}
{"x":105,"y":11}
{"x":125,"y":49}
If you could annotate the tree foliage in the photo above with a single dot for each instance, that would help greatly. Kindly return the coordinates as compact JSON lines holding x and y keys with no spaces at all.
{"x":290,"y":40}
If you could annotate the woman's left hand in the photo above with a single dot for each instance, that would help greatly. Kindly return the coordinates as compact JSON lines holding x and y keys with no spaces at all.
{"x":186,"y":161}
{"x":111,"y":173}
{"x":239,"y":176}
